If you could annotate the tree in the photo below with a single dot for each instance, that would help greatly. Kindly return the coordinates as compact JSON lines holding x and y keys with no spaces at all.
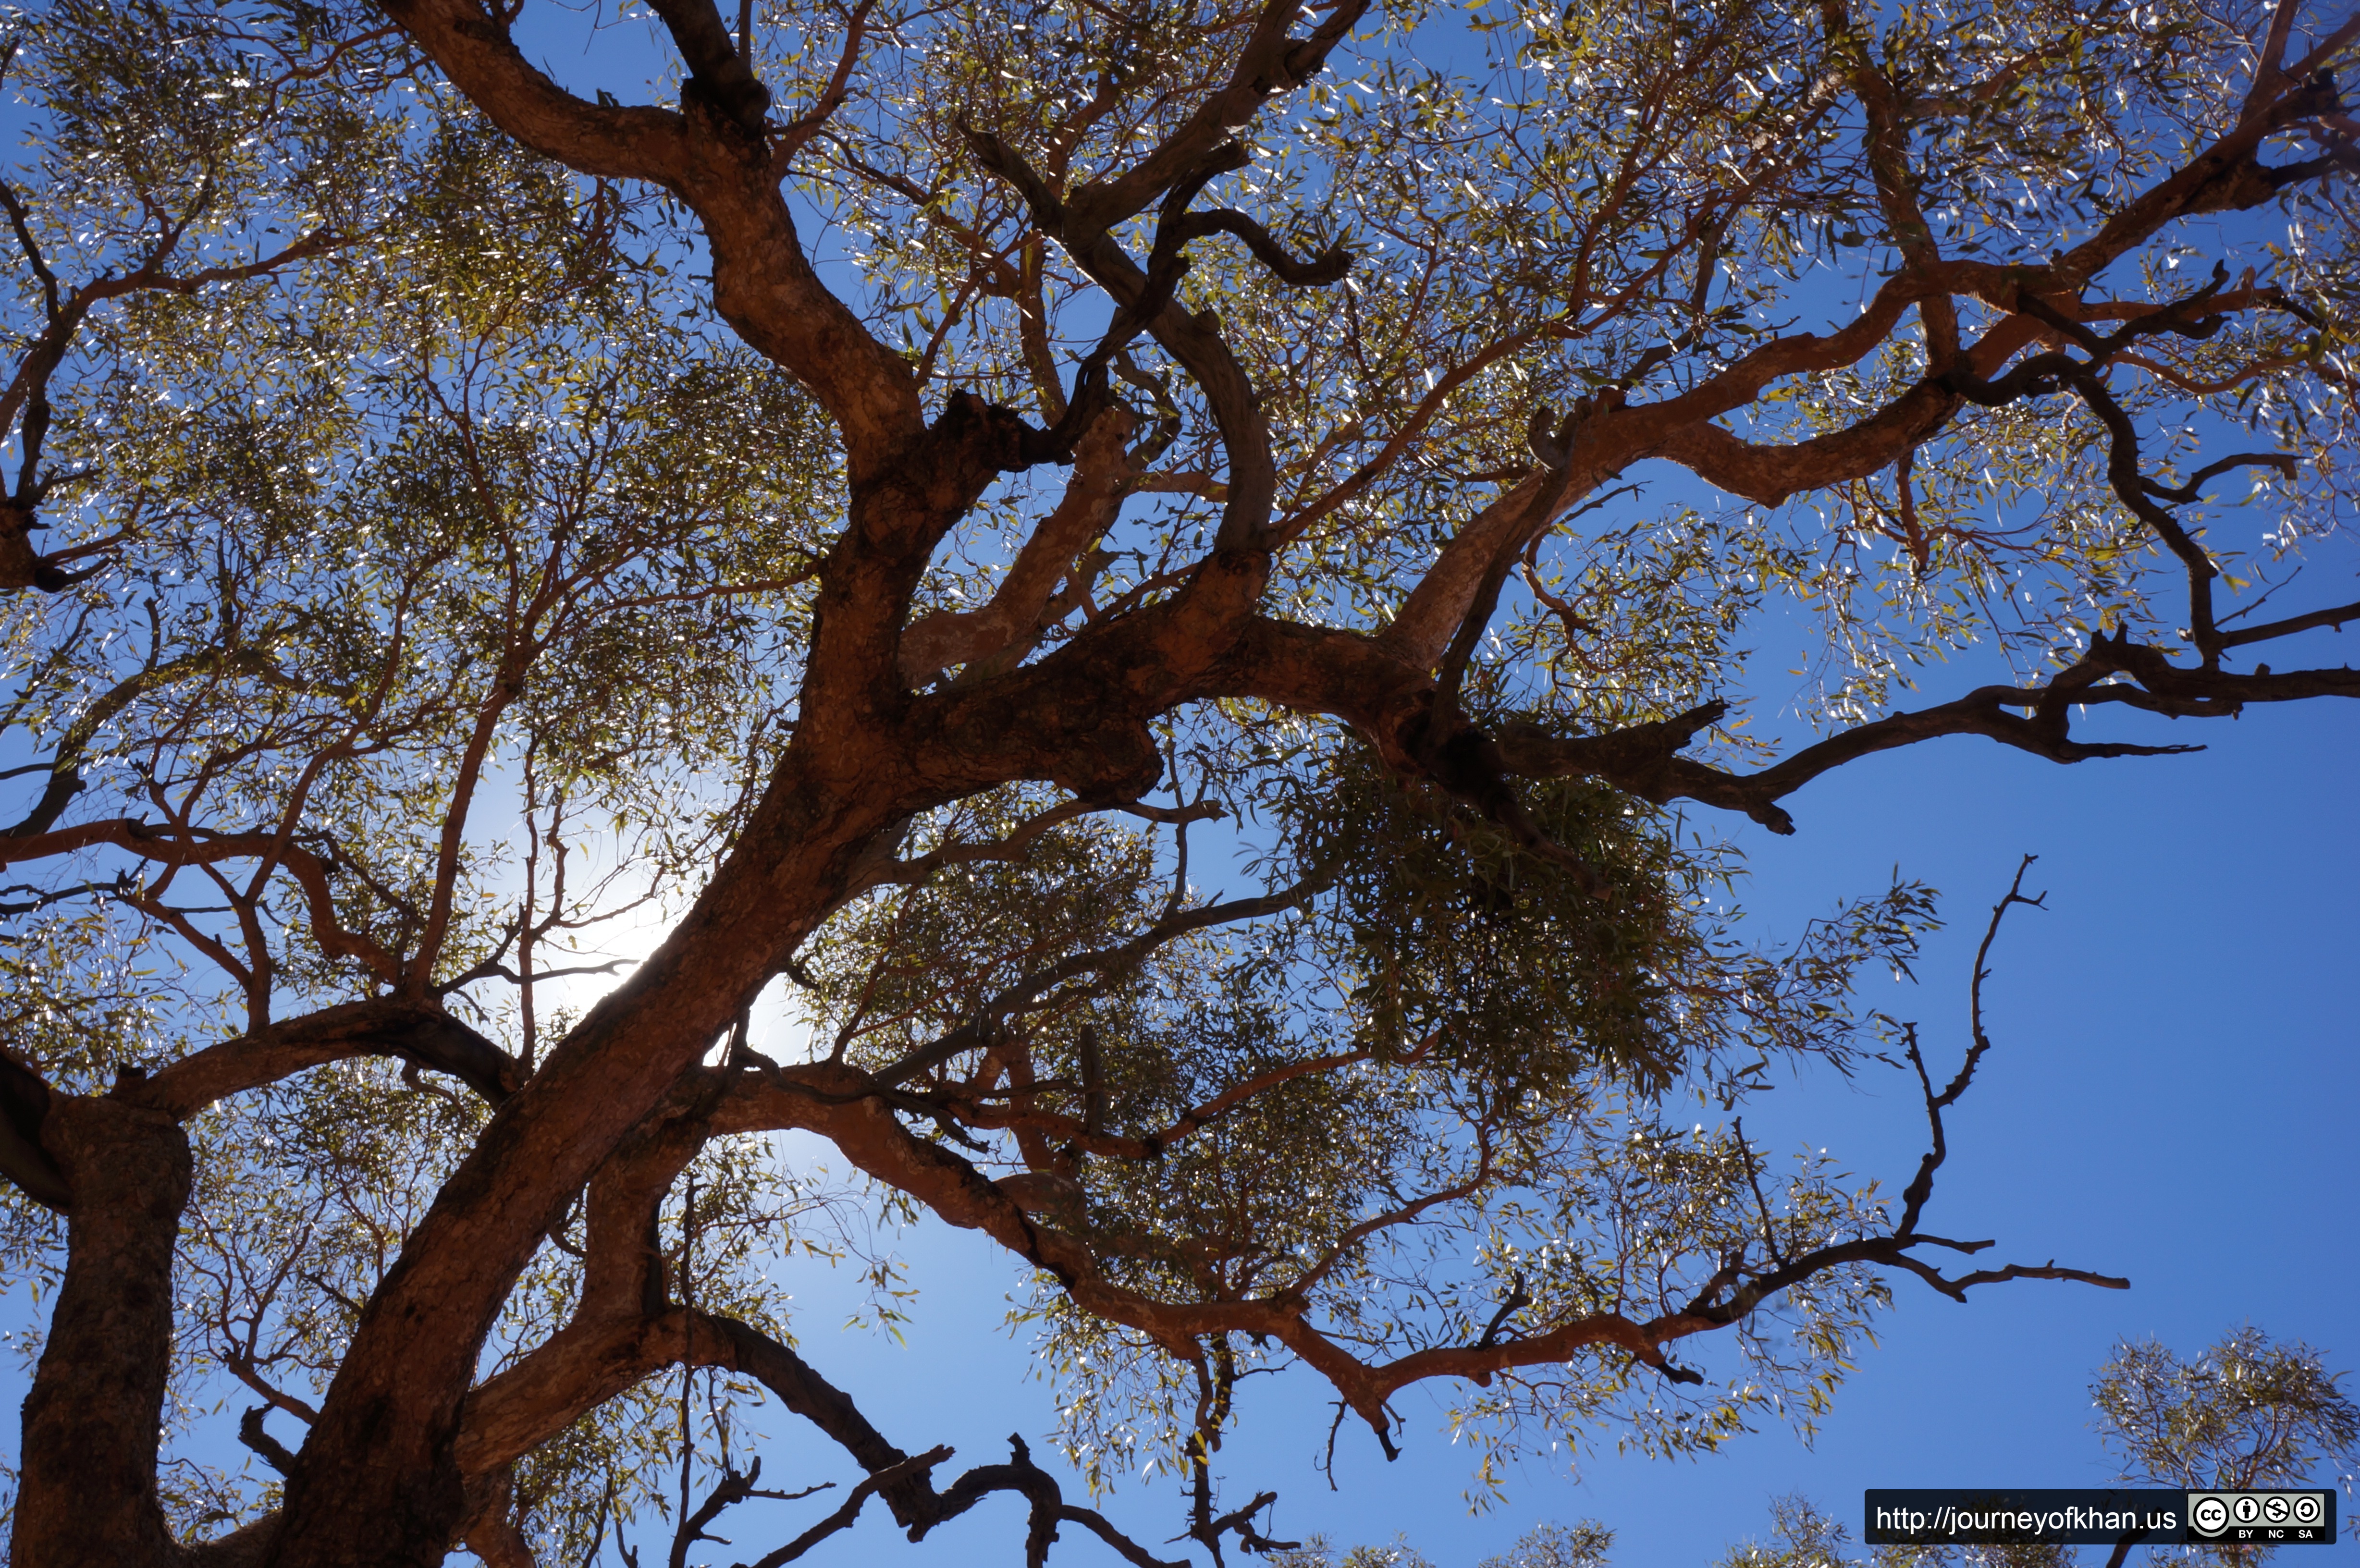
{"x":2247,"y":1413}
{"x":860,"y":512}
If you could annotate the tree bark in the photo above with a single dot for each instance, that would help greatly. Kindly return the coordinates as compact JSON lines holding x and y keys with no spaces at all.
{"x":378,"y":1485}
{"x":87,"y":1494}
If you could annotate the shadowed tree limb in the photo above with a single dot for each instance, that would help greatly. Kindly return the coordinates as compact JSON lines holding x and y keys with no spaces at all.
{"x":1009,"y":622}
{"x":640,"y":1348}
{"x":734,"y":1487}
{"x":866,"y":1131}
{"x":92,"y":1420}
{"x":491,"y":1531}
{"x":24,"y":1100}
{"x":426,"y":1036}
{"x":256,"y":1436}
{"x":175,"y":845}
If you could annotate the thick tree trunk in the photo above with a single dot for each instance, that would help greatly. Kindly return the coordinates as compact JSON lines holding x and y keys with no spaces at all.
{"x":87,"y":1494}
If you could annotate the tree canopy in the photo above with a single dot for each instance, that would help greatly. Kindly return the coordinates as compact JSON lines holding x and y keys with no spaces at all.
{"x":851,"y":518}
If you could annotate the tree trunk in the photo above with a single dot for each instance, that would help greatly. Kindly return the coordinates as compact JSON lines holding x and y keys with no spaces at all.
{"x":87,"y":1494}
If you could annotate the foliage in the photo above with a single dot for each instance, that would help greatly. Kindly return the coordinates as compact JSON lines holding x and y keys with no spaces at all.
{"x":1803,"y":1537}
{"x":556,"y":645}
{"x":2245,"y":1414}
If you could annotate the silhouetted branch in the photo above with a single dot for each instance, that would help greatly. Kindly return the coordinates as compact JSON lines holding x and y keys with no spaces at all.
{"x":273,"y":1453}
{"x":734,"y":1487}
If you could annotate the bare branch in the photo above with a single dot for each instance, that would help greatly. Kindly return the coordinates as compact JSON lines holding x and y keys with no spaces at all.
{"x":424,"y":1036}
{"x":914,"y":1467}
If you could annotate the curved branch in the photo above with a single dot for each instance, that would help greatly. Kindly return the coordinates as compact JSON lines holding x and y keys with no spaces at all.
{"x":1272,"y":62}
{"x":1202,"y":148}
{"x":1329,"y":266}
{"x":427,"y":1037}
{"x":24,"y":1099}
{"x":589,"y":1363}
{"x":764,"y":285}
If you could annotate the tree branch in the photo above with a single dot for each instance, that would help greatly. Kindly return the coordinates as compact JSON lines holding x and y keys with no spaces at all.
{"x":427,"y":1037}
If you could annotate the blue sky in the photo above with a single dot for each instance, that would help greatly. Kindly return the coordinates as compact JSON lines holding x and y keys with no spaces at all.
{"x":2169,"y":1098}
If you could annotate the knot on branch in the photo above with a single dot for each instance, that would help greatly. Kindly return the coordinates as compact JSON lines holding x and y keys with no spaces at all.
{"x":1676,"y":1373}
{"x":2319,"y":96}
{"x":1116,"y":759}
{"x":999,"y":440}
{"x":720,"y":77}
{"x":1042,"y":1194}
{"x":22,"y":566}
{"x":732,"y":95}
{"x":1516,"y":1301}
{"x":1046,"y":206}
{"x":1550,"y":439}
{"x":275,"y":1454}
{"x":1643,"y":759}
{"x":1627,"y":757}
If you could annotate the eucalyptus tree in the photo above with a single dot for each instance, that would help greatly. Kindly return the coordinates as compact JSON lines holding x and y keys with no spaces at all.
{"x":855,"y":511}
{"x":2247,"y":1413}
